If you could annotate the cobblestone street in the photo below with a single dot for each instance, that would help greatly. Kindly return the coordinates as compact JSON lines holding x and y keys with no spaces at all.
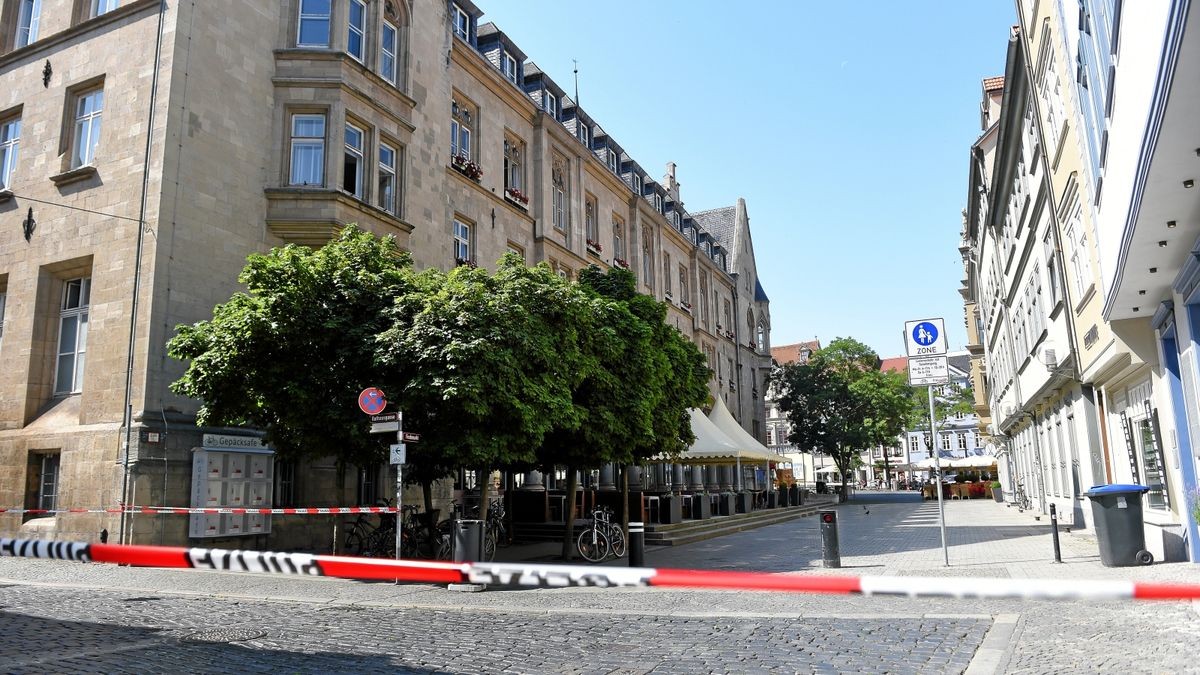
{"x":68,"y":617}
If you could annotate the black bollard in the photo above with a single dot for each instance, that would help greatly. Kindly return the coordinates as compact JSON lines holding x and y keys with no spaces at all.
{"x":104,"y":536}
{"x":1054,"y":531}
{"x":637,"y":544}
{"x":830,"y":553}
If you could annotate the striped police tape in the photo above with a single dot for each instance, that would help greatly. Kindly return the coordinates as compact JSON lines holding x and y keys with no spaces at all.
{"x":539,"y":575}
{"x":180,"y":510}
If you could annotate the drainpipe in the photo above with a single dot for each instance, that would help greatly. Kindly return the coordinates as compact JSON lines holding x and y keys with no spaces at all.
{"x":137,"y":269}
{"x":737,"y":347}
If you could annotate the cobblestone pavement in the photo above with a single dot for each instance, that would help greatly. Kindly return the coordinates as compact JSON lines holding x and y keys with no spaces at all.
{"x":59,"y":616}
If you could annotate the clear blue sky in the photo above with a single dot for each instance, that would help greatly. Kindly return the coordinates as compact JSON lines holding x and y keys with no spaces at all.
{"x":845,"y":125}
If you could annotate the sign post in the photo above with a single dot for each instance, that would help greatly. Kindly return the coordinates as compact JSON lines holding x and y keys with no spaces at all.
{"x":372,"y":402}
{"x":925,"y":340}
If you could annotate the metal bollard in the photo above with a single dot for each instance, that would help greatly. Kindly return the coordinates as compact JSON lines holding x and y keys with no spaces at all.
{"x":1054,"y":532}
{"x":830,"y":554}
{"x":637,"y":544}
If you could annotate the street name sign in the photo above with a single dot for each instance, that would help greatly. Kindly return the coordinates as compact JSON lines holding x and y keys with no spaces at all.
{"x":925,"y":337}
{"x":411,"y":437}
{"x":398,"y":452}
{"x":385,"y":427}
{"x":927,"y":371}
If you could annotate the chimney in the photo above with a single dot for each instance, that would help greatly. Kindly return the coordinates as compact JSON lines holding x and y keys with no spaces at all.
{"x":670,"y":183}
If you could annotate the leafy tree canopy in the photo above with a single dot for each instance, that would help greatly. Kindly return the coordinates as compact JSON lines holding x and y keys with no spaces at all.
{"x":291,"y":354}
{"x":840,"y":402}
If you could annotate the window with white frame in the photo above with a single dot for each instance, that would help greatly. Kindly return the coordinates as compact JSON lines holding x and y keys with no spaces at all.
{"x":462,"y":241}
{"x":612,"y":160}
{"x":962,"y":441}
{"x":313,"y":30}
{"x":637,"y":183}
{"x":914,"y":443}
{"x":508,"y":66}
{"x":945,"y":441}
{"x":1081,"y":267}
{"x":667,"y":273}
{"x":387,"y":179}
{"x":307,"y":150}
{"x":658,"y":202}
{"x":72,"y":335}
{"x":356,"y":34}
{"x":29,"y":15}
{"x":461,"y":21}
{"x":103,"y":6}
{"x":585,"y":134}
{"x":551,"y":105}
{"x":461,"y":119}
{"x":388,"y":46}
{"x":760,"y":338}
{"x":352,"y":163}
{"x":89,"y":107}
{"x":10,"y":140}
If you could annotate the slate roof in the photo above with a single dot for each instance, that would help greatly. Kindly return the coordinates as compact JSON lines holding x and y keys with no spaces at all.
{"x":960,"y":361}
{"x":791,"y":353}
{"x":760,"y":294}
{"x":719,"y":223}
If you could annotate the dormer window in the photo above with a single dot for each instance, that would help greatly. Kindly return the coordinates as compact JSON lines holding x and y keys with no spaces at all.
{"x":508,"y":66}
{"x":637,"y":183}
{"x":584,"y":134}
{"x":658,"y":204}
{"x":551,"y":105}
{"x":462,"y":22}
{"x":612,"y":160}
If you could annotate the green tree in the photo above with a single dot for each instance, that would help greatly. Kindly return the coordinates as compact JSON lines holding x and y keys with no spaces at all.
{"x":840,"y":402}
{"x":639,"y":380}
{"x":485,"y":365}
{"x":291,"y":354}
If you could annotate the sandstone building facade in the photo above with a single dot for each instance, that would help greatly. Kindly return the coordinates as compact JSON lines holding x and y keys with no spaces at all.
{"x":147,"y":147}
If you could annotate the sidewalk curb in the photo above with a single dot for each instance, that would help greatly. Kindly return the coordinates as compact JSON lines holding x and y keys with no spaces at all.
{"x":992,"y":655}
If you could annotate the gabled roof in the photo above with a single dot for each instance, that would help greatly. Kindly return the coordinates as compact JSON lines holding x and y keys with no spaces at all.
{"x":791,"y":353}
{"x":993,"y":83}
{"x":897,"y":364}
{"x":760,"y":294}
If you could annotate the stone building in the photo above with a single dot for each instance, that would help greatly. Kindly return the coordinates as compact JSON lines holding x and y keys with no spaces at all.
{"x":188,"y":137}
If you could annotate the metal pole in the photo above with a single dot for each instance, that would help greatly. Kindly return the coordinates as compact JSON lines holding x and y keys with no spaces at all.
{"x":637,"y":544}
{"x":1054,"y":532}
{"x":937,"y":465}
{"x":399,"y":481}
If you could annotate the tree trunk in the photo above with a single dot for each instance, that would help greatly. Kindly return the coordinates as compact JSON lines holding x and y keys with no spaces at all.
{"x":569,"y":513}
{"x":484,"y":478}
{"x":427,"y":493}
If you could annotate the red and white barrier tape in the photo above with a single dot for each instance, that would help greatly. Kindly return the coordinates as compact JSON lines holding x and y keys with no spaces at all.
{"x":557,"y":576}
{"x":180,"y":510}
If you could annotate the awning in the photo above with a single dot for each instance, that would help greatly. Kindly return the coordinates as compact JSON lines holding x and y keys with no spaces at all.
{"x":752,"y":450}
{"x":827,"y":469}
{"x":711,"y":446}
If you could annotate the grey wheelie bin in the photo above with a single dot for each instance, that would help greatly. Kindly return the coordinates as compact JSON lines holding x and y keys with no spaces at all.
{"x":1117,"y":511}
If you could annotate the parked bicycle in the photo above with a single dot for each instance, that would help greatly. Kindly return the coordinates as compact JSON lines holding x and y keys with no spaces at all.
{"x":365,"y":538}
{"x":601,"y":538}
{"x":495,"y":533}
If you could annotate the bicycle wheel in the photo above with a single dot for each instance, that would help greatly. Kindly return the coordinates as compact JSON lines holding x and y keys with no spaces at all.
{"x":616,"y":540}
{"x":592,"y":545}
{"x":445,"y":549}
{"x":489,"y":546}
{"x":353,"y":544}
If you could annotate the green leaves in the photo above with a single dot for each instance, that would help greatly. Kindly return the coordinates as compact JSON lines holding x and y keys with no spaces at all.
{"x":514,"y":368}
{"x":840,"y":402}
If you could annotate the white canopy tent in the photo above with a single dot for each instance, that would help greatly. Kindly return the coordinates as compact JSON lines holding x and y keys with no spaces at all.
{"x":711,"y":445}
{"x":752,"y":450}
{"x":827,"y":469}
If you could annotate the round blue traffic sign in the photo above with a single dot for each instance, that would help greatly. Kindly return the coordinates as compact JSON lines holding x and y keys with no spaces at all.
{"x":925,"y":333}
{"x":372,"y":401}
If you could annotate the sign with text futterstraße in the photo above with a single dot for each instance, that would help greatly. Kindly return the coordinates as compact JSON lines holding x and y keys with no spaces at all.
{"x":927,"y":371}
{"x":925,"y":337}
